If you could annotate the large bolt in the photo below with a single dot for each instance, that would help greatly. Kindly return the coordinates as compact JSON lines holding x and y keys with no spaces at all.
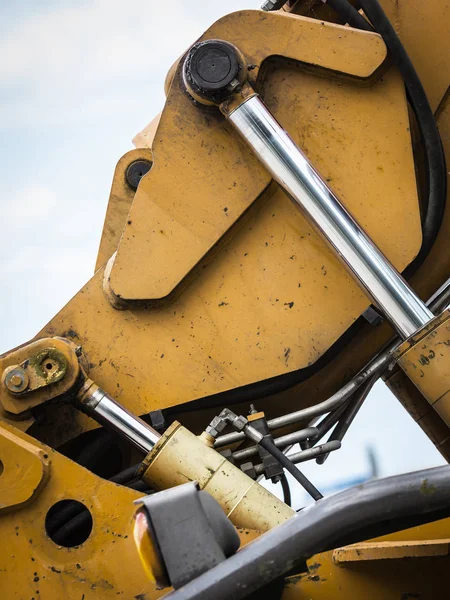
{"x":16,"y":380}
{"x":136,"y":171}
{"x":213,"y":70}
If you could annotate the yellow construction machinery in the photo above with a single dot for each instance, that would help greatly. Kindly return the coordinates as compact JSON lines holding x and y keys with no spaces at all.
{"x":279,"y":237}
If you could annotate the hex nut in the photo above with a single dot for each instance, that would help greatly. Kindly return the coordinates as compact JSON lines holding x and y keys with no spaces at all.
{"x":240,"y":422}
{"x":216,"y":426}
{"x":228,"y":454}
{"x":212,"y":431}
{"x":249,"y":470}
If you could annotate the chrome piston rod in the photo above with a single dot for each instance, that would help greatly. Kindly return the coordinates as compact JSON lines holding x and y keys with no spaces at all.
{"x":292,"y":170}
{"x":99,"y":405}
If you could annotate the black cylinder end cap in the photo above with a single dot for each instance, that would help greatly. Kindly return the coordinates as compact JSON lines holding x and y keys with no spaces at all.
{"x":210,"y":67}
{"x":135,"y":171}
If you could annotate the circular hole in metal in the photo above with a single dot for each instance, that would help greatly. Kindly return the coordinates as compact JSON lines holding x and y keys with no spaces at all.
{"x":49,"y":366}
{"x":2,"y":467}
{"x":68,"y":523}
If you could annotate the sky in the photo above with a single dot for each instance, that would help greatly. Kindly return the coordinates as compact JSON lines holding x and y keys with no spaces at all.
{"x":78,"y":79}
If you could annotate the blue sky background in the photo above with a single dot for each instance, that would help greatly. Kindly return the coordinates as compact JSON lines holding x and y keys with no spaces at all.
{"x":78,"y":79}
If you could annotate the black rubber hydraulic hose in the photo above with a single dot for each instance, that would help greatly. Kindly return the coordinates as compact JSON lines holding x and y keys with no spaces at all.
{"x":436,"y":169}
{"x":268,"y":444}
{"x":349,"y":14}
{"x":286,"y":490}
{"x":74,"y":515}
{"x":360,"y":513}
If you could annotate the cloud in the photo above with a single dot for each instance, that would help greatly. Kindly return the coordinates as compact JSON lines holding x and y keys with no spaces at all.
{"x":101,"y":40}
{"x":42,"y":263}
{"x":91,"y":60}
{"x":78,"y":79}
{"x":29,"y":206}
{"x":39,"y":281}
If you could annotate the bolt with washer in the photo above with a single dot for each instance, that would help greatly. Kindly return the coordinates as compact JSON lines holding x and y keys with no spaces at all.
{"x":16,"y":380}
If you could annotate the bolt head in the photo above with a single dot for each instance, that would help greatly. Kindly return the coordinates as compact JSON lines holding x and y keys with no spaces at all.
{"x":240,"y":422}
{"x":212,"y":432}
{"x":228,"y":454}
{"x":16,"y":380}
{"x":249,"y":469}
{"x":216,"y":426}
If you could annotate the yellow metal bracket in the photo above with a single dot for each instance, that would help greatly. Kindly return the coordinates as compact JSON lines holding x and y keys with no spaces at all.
{"x":120,"y":200}
{"x":176,"y":219}
{"x":92,"y":569}
{"x":24,"y":470}
{"x":388,"y":550}
{"x":258,"y":304}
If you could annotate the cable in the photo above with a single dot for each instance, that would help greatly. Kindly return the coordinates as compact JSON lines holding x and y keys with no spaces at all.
{"x":437,"y":176}
{"x":63,"y":516}
{"x":286,"y":489}
{"x":281,"y":442}
{"x":71,"y":529}
{"x":96,"y":448}
{"x":349,"y":14}
{"x":434,"y":154}
{"x":268,"y":445}
{"x":304,"y":455}
{"x":376,"y":365}
{"x":139,"y":485}
{"x":352,"y":410}
{"x":126,"y":475}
